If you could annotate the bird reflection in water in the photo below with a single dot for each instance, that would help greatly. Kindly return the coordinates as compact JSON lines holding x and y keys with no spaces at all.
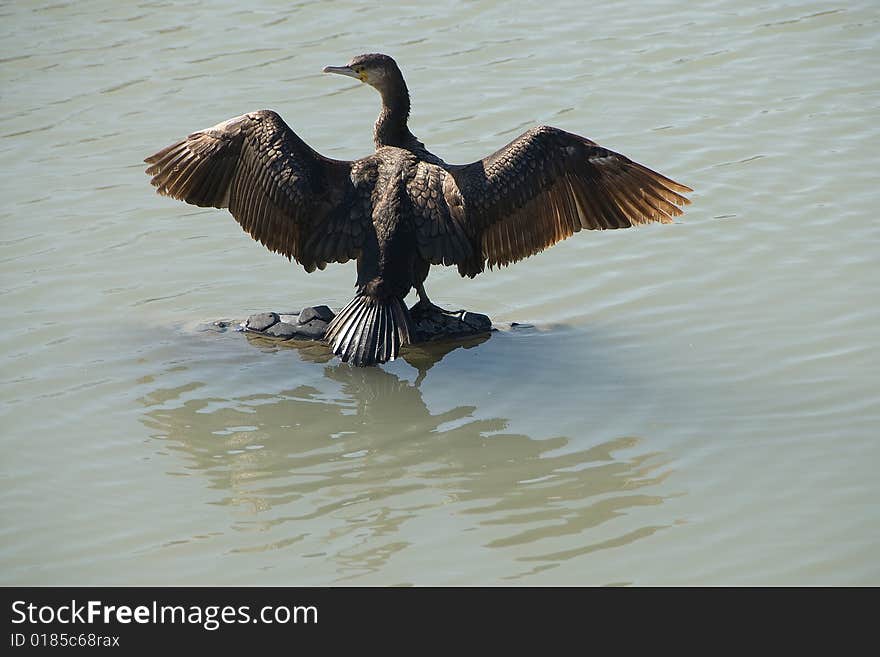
{"x":350,"y":469}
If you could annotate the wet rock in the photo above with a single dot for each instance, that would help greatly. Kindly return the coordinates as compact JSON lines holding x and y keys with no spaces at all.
{"x":289,"y":326}
{"x":478,"y":322}
{"x":282,"y":330}
{"x":313,"y":330}
{"x":261,"y":321}
{"x":214,"y":327}
{"x":434,"y":325}
{"x":322,"y":313}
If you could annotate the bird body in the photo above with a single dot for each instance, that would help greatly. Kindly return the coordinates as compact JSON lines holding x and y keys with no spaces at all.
{"x":402,"y":209}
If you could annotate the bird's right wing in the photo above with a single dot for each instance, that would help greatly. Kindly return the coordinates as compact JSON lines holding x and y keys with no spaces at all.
{"x":284,"y":194}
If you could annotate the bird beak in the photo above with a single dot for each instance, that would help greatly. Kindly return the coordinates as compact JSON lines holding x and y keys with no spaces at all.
{"x":343,"y":70}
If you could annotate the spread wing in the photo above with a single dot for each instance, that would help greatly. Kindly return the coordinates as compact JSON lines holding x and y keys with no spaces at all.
{"x":544,"y":186}
{"x":284,"y":194}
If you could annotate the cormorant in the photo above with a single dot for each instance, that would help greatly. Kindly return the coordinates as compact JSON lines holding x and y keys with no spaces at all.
{"x":403,"y":209}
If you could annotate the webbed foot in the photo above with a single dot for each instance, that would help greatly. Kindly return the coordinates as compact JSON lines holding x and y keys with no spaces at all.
{"x":423,"y":306}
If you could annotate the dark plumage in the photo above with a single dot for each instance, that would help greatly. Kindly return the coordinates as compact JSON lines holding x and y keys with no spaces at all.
{"x":402,"y":209}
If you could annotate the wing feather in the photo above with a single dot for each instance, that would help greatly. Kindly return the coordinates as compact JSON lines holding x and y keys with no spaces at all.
{"x":284,"y":194}
{"x":543,"y":187}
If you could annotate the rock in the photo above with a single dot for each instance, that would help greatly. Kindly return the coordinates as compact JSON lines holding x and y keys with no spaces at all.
{"x":432,"y":325}
{"x":220,"y":326}
{"x":313,"y":330}
{"x":282,"y":330}
{"x":480,"y":323}
{"x":261,"y":321}
{"x":322,"y":313}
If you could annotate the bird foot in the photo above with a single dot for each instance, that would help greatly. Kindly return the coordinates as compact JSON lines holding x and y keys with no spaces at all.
{"x":428,"y":307}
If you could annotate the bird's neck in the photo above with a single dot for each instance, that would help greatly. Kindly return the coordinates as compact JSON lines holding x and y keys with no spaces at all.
{"x":391,"y":128}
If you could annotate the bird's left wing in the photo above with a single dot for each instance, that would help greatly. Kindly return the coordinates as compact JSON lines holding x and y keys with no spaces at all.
{"x":543,"y":187}
{"x":284,"y":194}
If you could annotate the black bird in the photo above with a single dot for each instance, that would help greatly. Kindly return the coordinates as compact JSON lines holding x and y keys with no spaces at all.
{"x":403,"y":209}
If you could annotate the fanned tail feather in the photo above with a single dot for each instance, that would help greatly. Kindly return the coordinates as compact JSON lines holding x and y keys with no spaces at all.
{"x":369,"y":331}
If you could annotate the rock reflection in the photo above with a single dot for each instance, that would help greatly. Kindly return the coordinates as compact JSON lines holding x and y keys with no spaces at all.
{"x":353,"y":468}
{"x":421,"y":356}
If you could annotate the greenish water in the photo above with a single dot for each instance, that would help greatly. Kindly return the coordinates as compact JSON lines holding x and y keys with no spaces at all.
{"x":696,"y":403}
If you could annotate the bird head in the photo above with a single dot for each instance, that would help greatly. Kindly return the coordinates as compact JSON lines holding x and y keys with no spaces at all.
{"x":375,"y":69}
